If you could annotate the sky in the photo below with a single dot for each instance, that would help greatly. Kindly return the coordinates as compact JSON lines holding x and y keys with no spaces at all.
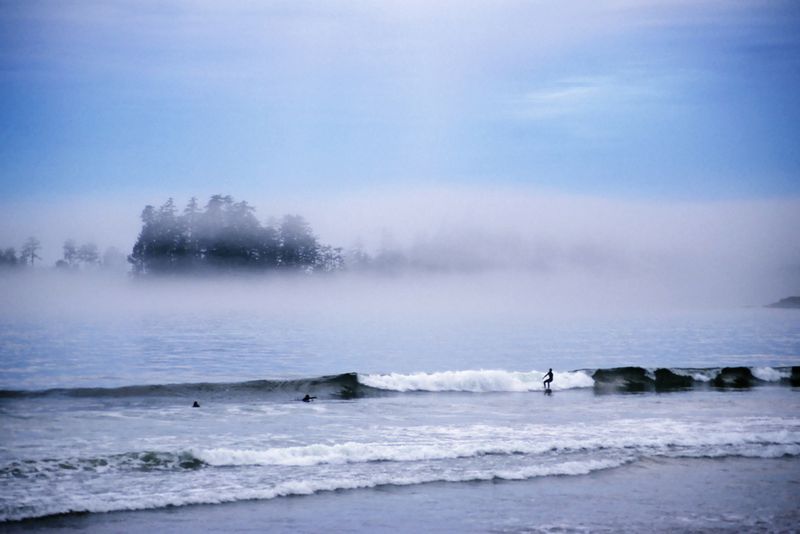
{"x":342,"y":110}
{"x":681,"y":99}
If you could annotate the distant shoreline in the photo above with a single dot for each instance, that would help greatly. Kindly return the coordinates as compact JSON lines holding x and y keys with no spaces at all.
{"x":787,"y":303}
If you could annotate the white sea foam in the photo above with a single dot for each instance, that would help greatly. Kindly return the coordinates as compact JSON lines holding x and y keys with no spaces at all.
{"x":408,"y":455}
{"x":476,"y":381}
{"x":701,"y":375}
{"x":769,"y":374}
{"x":647,"y":437}
{"x":144,"y":501}
{"x":118,"y":500}
{"x":353,"y":452}
{"x":743,"y":450}
{"x":705,"y":375}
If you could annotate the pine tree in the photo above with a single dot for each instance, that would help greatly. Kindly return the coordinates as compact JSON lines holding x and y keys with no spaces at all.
{"x":298,"y":243}
{"x":88,"y":254}
{"x":70,"y":252}
{"x":28,"y":253}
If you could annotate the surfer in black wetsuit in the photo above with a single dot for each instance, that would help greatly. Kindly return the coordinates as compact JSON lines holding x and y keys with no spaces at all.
{"x":547,"y":379}
{"x":308,"y":398}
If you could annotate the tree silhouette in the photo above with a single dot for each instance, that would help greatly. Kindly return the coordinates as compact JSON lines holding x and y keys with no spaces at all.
{"x":70,"y":252}
{"x":142,"y":254}
{"x":8,"y":257}
{"x":329,"y":259}
{"x":298,"y":245}
{"x":88,"y":254}
{"x":28,"y":252}
{"x":226,"y":235}
{"x":189,"y":246}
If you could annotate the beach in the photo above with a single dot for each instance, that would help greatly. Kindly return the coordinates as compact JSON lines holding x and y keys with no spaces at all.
{"x":407,"y":442}
{"x":730,"y":494}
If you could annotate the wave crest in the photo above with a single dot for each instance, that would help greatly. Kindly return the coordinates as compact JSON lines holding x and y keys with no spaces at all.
{"x":476,"y":381}
{"x":356,"y":385}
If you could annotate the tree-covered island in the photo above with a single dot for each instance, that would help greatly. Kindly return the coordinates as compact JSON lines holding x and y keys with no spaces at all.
{"x":226,"y":235}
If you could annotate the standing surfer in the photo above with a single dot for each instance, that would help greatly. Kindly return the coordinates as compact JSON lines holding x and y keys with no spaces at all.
{"x":547,"y":379}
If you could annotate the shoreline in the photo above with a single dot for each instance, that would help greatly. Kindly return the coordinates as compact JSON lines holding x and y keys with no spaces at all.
{"x":658,"y":494}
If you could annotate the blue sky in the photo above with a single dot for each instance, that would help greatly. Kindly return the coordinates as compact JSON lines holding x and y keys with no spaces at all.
{"x":664,"y":99}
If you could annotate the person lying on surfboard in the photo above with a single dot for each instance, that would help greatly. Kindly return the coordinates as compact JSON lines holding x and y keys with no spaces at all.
{"x":548,"y":378}
{"x":308,"y":398}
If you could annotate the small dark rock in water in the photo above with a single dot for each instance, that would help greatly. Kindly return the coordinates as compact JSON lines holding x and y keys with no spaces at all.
{"x":788,"y":302}
{"x":196,"y":404}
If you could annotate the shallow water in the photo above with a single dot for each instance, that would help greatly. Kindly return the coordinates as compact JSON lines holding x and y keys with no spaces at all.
{"x":662,"y":495}
{"x":454,"y":400}
{"x":118,"y":349}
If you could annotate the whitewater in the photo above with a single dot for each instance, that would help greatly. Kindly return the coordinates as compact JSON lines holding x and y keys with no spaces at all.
{"x":114,"y":431}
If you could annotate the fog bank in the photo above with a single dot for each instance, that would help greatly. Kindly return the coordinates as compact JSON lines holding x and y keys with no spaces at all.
{"x":501,"y":248}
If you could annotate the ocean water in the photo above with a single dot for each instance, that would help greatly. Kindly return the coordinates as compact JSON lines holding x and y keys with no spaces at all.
{"x":96,"y":409}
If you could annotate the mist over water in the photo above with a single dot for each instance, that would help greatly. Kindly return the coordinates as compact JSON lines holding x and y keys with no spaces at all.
{"x":426,"y":369}
{"x":507,"y":280}
{"x":336,"y":252}
{"x":86,"y":330}
{"x":414,"y":296}
{"x":461,"y":249}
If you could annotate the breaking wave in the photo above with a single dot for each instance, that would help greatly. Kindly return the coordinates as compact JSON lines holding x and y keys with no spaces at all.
{"x":436,"y":454}
{"x":356,"y":385}
{"x":625,"y":379}
{"x":299,"y":487}
{"x":643,"y":438}
{"x":478,"y":381}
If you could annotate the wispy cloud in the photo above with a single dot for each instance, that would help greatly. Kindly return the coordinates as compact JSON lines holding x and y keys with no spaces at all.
{"x":591,"y":94}
{"x":305,"y":95}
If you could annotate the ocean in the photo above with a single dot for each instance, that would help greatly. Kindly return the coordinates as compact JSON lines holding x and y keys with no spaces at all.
{"x":666,"y":421}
